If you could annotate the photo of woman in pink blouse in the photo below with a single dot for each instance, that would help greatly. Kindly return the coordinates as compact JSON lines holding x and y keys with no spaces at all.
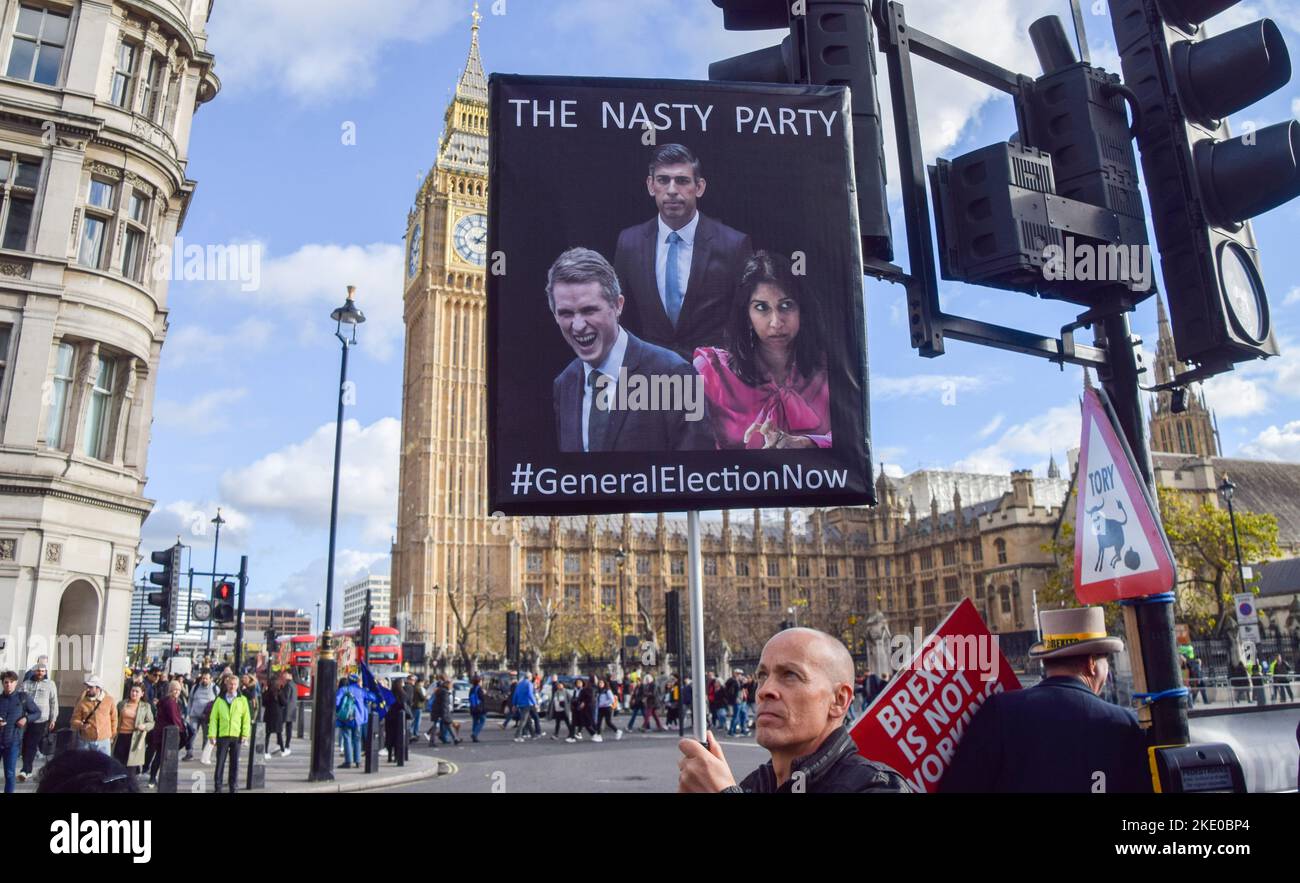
{"x":769,"y":387}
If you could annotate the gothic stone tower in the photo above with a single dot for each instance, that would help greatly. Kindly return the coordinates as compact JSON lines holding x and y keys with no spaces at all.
{"x":1191,"y":432}
{"x":441,"y":549}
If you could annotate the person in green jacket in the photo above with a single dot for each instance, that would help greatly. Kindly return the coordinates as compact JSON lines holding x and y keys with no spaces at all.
{"x":228,"y":729}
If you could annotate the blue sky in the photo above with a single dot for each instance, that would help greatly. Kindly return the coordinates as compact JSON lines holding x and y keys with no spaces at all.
{"x":246,"y":394}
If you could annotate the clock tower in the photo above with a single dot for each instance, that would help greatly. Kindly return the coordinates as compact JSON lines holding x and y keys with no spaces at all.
{"x":441,"y":553}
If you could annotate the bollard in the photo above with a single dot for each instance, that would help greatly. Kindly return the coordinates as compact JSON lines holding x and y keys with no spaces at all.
{"x":256,"y":759}
{"x":169,"y":766}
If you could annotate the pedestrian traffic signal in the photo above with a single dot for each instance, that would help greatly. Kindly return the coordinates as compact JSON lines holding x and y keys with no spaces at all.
{"x":831,"y":42}
{"x":1204,"y":184}
{"x":223,"y":603}
{"x":169,"y":580}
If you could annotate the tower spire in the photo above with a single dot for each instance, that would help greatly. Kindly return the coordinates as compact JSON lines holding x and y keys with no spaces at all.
{"x":473,"y":82}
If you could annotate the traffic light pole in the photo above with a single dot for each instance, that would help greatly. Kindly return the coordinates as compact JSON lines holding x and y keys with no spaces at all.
{"x":239,"y":616}
{"x":1148,"y":622}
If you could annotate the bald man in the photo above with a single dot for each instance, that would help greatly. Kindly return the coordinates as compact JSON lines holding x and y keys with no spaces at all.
{"x":805,"y":688}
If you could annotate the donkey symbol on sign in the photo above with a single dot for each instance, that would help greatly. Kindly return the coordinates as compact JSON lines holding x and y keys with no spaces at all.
{"x":1110,"y":536}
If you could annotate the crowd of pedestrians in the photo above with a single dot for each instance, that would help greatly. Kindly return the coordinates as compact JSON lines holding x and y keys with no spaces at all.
{"x":212,"y":716}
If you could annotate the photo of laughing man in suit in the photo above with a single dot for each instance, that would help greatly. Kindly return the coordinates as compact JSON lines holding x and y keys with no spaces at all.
{"x":619,"y":393}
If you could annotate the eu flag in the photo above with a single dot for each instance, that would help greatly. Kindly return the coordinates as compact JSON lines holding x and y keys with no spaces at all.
{"x":380,"y":695}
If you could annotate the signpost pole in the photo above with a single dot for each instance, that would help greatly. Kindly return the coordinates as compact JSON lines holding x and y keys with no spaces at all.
{"x":1149,"y":622}
{"x":695,"y":571}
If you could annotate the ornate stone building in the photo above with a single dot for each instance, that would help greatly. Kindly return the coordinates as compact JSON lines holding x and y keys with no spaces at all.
{"x":96,"y":104}
{"x":827,"y":568}
{"x":443,"y":532}
{"x":1194,"y":431}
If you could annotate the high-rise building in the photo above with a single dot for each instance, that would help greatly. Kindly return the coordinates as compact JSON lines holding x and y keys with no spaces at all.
{"x":96,"y":106}
{"x":445,"y":548}
{"x":1193,"y":431}
{"x":354,"y":601}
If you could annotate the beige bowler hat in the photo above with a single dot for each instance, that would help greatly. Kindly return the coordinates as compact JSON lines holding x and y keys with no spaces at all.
{"x":1076,"y":632}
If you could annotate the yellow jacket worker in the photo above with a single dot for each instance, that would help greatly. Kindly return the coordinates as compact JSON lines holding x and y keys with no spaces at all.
{"x":228,"y":729}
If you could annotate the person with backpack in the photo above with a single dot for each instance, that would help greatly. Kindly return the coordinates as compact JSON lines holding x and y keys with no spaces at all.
{"x":41,"y":690}
{"x":636,"y":704}
{"x":351,"y":714}
{"x":477,"y":707}
{"x":524,"y":701}
{"x":584,"y":704}
{"x":605,"y":709}
{"x":16,"y":710}
{"x":94,"y":719}
{"x":650,"y":699}
{"x":197,"y":712}
{"x":558,"y":710}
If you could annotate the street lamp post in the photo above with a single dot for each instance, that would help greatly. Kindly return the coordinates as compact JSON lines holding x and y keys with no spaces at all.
{"x":216,"y":544}
{"x":322,"y":745}
{"x":1227,"y":489}
{"x":621,"y":557}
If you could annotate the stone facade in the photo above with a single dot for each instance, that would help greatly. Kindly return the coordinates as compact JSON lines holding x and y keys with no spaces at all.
{"x":96,"y":107}
{"x":1194,"y":431}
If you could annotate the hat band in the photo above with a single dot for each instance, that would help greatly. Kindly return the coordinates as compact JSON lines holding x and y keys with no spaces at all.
{"x":1052,"y":642}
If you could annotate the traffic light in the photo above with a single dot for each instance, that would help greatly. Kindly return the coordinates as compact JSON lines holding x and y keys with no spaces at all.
{"x":1204,"y":184}
{"x":831,"y":42}
{"x":169,"y":580}
{"x":1018,"y":215}
{"x":673,"y":622}
{"x":512,"y":636}
{"x":223,"y":603}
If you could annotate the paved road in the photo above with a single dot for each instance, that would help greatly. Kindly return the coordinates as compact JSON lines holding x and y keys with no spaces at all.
{"x":638,"y":763}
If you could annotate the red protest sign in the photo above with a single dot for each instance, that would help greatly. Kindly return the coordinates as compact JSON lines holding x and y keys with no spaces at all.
{"x":1119,"y":549}
{"x":916,"y":722}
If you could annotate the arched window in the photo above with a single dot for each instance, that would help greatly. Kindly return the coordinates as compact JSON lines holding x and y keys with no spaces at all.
{"x":1001,"y":546}
{"x":1005,"y":593}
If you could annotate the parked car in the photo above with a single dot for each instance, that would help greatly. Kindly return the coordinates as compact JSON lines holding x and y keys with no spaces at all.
{"x":460,"y":695}
{"x":497,"y":686}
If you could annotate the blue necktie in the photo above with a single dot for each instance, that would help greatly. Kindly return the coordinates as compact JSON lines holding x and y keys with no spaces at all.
{"x":672,"y":285}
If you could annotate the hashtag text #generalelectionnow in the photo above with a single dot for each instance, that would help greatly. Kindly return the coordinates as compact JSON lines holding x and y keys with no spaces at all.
{"x":666,"y":480}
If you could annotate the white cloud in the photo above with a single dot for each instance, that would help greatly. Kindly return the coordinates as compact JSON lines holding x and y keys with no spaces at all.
{"x":1293,"y":296}
{"x":199,"y":416}
{"x":922,"y":385}
{"x":295,"y":480}
{"x":1276,"y":443}
{"x":1024,"y":444}
{"x":191,"y":345}
{"x":306,"y":285}
{"x":990,"y":427}
{"x":303,"y":588}
{"x":317,"y":50}
{"x":191,"y":521}
{"x":1253,"y":387}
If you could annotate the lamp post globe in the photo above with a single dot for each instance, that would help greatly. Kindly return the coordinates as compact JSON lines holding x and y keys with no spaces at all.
{"x":322,"y":747}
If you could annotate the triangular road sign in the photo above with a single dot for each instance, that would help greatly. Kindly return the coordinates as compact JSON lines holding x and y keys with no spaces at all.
{"x":1119,"y":549}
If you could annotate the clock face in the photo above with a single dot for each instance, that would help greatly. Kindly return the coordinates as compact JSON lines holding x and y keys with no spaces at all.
{"x":470,"y":239}
{"x":413,"y":259}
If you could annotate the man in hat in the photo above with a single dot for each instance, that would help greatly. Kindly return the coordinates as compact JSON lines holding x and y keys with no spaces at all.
{"x":1057,"y":736}
{"x":94,"y":719}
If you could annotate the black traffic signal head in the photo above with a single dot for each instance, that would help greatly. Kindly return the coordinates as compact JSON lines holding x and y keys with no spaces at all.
{"x":223,"y":602}
{"x":1204,"y":184}
{"x":831,"y":43}
{"x":169,"y":579}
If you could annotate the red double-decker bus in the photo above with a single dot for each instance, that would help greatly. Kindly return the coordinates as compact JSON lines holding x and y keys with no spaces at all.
{"x":299,"y":653}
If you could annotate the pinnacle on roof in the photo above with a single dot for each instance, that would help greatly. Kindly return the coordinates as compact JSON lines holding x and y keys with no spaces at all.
{"x":473,"y":82}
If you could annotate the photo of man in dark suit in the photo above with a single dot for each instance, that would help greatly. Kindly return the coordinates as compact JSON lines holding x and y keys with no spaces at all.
{"x":679,"y":270}
{"x":590,"y":414}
